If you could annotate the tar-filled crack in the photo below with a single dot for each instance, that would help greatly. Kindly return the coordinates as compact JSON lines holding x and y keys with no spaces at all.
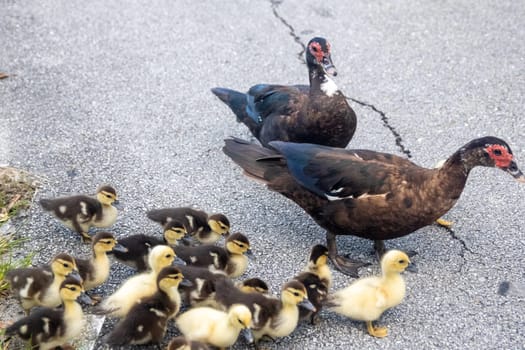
{"x":464,"y":246}
{"x":296,"y":38}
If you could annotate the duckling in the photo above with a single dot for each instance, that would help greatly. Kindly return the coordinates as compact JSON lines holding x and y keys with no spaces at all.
{"x":367,"y":298}
{"x":254,"y":284}
{"x":139,"y":246}
{"x":271,"y":317}
{"x":206,"y":229}
{"x":181,"y":343}
{"x":201,"y":292}
{"x":47,"y":328}
{"x":38,"y":286}
{"x":136,"y":287}
{"x":230,"y":259}
{"x":95,"y":271}
{"x":81,"y":212}
{"x":147,"y":320}
{"x":215,"y":327}
{"x":317,"y":279}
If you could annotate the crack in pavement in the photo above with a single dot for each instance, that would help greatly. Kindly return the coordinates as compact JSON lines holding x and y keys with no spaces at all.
{"x":384,"y":119}
{"x":464,"y":246}
{"x":275,"y":4}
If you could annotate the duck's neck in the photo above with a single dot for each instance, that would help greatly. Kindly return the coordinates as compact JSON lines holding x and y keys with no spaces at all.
{"x":454,"y":173}
{"x":321,"y":83}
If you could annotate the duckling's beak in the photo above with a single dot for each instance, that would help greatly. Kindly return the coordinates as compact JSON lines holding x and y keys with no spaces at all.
{"x":186,"y":283}
{"x":249,"y":254}
{"x":119,"y":248}
{"x":117,"y":204}
{"x":328,"y":66}
{"x":515,"y":172}
{"x":84,"y":299}
{"x":307,"y":305}
{"x":189,"y":241}
{"x":248,"y":335}
{"x":178,"y":261}
{"x":75,"y":274}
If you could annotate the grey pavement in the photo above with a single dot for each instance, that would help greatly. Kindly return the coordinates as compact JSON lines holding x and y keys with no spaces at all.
{"x":118,"y":92}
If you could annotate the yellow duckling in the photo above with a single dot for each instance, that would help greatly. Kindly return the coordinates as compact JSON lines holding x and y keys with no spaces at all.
{"x":81,"y":212}
{"x":367,"y":298}
{"x":136,"y":287}
{"x":215,"y":327}
{"x":253,"y":285}
{"x":205,"y":228}
{"x":95,"y":271}
{"x":181,"y":343}
{"x":47,"y":328}
{"x":147,"y":320}
{"x":38,"y":286}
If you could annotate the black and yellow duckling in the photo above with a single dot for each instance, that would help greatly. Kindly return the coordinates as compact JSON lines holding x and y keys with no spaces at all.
{"x":136,"y":287}
{"x":203,"y":227}
{"x":181,"y":343}
{"x":253,"y":284}
{"x":95,"y":270}
{"x":201,"y":292}
{"x":272,"y":317}
{"x":216,"y":327}
{"x":368,"y":194}
{"x":367,"y":298}
{"x":316,"y":113}
{"x":40,"y":286}
{"x":317,"y":279}
{"x":147,"y":320}
{"x":47,"y":328}
{"x":81,"y":212}
{"x":232,"y":259}
{"x":139,"y":246}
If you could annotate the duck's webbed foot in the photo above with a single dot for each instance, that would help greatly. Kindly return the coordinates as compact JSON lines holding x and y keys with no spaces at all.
{"x":378,"y":332}
{"x":444,"y":223}
{"x":86,"y":238}
{"x":347,"y":266}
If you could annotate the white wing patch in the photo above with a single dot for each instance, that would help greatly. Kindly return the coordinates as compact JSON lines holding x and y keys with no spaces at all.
{"x":158,"y":312}
{"x":83,"y":208}
{"x":62,"y":209}
{"x":191,"y":221}
{"x":24,"y":291}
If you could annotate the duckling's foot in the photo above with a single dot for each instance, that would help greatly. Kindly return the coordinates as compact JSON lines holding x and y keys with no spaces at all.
{"x":378,"y":332}
{"x":86,"y":238}
{"x":315,"y":319}
{"x":444,"y":223}
{"x":95,"y":299}
{"x":347,"y":266}
{"x":66,"y":347}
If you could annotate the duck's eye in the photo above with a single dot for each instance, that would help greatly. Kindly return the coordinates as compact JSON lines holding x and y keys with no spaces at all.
{"x":402,"y":261}
{"x":108,"y":195}
{"x":74,"y":289}
{"x":240,"y":321}
{"x":497,"y":152}
{"x":315,"y":49}
{"x":296,"y":294}
{"x":168,"y":256}
{"x":65,"y":264}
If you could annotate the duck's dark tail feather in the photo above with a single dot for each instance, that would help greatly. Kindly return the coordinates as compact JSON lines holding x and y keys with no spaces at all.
{"x":234,"y":99}
{"x":47,"y":204}
{"x":259,"y":163}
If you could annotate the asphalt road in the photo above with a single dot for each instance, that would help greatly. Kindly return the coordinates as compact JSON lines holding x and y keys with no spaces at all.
{"x":118,"y":92}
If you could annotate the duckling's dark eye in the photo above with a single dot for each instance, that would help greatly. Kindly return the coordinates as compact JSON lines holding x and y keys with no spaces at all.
{"x":169,"y":256}
{"x":296,"y":294}
{"x":108,"y":195}
{"x":74,"y":289}
{"x":240,"y":321}
{"x":65,"y":265}
{"x":402,"y":261}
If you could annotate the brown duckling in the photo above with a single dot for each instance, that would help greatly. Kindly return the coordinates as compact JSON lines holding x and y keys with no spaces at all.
{"x":139,"y":246}
{"x":181,"y":343}
{"x":81,"y":212}
{"x":147,"y":320}
{"x":95,"y":270}
{"x":47,"y":328}
{"x":368,"y":194}
{"x":201,"y":292}
{"x":317,"y":279}
{"x":232,"y":259}
{"x":367,"y":298}
{"x":40,"y":286}
{"x":216,"y":327}
{"x":205,"y":228}
{"x":254,"y":284}
{"x":136,"y":287}
{"x":318,"y":113}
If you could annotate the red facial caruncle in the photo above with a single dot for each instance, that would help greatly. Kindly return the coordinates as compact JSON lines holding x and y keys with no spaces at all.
{"x":317,"y":51}
{"x":500,"y":154}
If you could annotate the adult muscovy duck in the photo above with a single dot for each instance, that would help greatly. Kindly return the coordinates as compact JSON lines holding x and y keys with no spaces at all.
{"x":318,"y":113}
{"x":364,"y":193}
